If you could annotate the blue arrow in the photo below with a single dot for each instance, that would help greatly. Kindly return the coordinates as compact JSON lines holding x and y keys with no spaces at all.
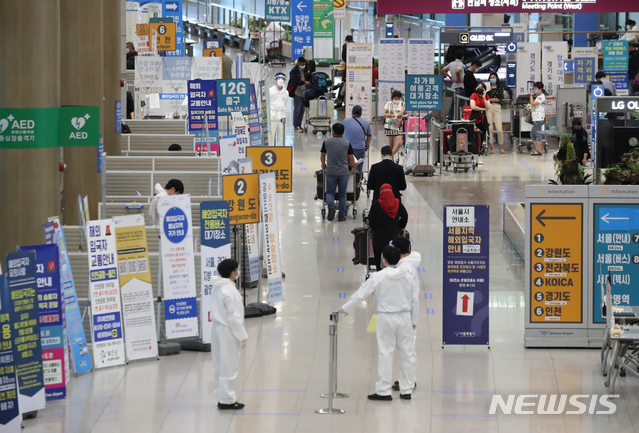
{"x":342,"y":295}
{"x":335,"y":239}
{"x":340,"y":269}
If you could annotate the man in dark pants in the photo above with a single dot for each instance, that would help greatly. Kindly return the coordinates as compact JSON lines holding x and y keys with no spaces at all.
{"x":386,"y":171}
{"x":337,"y":157}
{"x":299,"y":79}
{"x":470,"y":82}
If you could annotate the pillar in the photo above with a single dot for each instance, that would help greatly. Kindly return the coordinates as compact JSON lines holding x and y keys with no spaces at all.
{"x":29,"y":78}
{"x":113,"y":52}
{"x":82,"y":83}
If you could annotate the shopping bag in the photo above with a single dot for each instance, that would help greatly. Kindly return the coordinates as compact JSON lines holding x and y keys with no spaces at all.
{"x":372,"y":325}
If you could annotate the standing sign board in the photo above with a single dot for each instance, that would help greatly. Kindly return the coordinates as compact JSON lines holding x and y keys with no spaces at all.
{"x":614,"y":246}
{"x":142,"y":39}
{"x":135,"y":285}
{"x":466,"y":273}
{"x":302,"y":27}
{"x":173,"y":9}
{"x":10,"y":418}
{"x":620,"y":81}
{"x":233,"y":95}
{"x":255,"y":127}
{"x":75,"y":329}
{"x":104,"y":293}
{"x":252,"y":250}
{"x":242,"y":193}
{"x":278,"y":159}
{"x":615,"y":56}
{"x":230,"y":154}
{"x":216,"y":246}
{"x":528,"y":66}
{"x":24,"y":317}
{"x":359,"y":78}
{"x":554,"y":56}
{"x":264,"y":111}
{"x":178,"y":266}
{"x":212,"y":48}
{"x":555,"y":266}
{"x":278,"y":10}
{"x":271,"y":239}
{"x":323,"y":31}
{"x":421,"y":56}
{"x":424,"y":92}
{"x":202,"y":102}
{"x":392,"y":61}
{"x":584,"y":59}
{"x":52,"y":324}
{"x":162,"y":32}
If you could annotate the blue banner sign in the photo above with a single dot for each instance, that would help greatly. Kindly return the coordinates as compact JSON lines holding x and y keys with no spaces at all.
{"x":424,"y":92}
{"x":10,"y":418}
{"x":615,"y":56}
{"x":278,"y":10}
{"x":173,"y":9}
{"x":302,"y":27}
{"x":255,"y":126}
{"x":466,"y":270}
{"x":233,"y":95}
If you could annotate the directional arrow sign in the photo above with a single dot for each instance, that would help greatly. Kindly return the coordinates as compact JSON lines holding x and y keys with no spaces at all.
{"x":465,"y":301}
{"x":301,"y":6}
{"x":607,"y":218}
{"x":541,"y":217}
{"x":171,"y":6}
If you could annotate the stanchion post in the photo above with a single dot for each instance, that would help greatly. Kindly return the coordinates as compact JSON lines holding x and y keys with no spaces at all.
{"x":332,"y":332}
{"x":333,"y":368}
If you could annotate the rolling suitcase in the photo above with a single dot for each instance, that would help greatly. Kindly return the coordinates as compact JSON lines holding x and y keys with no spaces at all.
{"x":360,"y":245}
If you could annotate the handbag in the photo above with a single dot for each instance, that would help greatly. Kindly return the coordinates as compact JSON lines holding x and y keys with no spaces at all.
{"x":506,"y":99}
{"x":529,"y":118}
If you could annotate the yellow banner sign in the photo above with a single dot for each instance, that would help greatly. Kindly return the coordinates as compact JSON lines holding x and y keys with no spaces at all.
{"x":274,"y":159}
{"x":242,"y":191}
{"x":164,"y":34}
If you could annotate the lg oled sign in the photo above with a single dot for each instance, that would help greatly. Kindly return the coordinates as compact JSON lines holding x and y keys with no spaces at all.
{"x":501,"y":6}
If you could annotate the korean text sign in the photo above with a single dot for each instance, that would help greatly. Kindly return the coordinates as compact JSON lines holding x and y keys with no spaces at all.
{"x":424,"y":92}
{"x":274,"y":159}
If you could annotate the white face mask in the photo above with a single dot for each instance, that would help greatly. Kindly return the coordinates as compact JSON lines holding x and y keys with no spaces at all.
{"x":279,"y":82}
{"x":396,"y":102}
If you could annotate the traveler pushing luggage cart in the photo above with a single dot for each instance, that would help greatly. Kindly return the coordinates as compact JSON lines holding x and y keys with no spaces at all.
{"x":352,"y":194}
{"x":320,"y":108}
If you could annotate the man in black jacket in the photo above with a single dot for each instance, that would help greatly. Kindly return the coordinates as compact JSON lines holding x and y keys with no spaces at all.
{"x":386,"y":171}
{"x":299,"y":79}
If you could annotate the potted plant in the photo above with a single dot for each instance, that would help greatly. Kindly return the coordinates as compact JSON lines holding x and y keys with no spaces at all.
{"x":613,"y":174}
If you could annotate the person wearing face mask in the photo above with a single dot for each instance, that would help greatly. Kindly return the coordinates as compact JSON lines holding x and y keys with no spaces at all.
{"x":538,"y":103}
{"x":228,"y":336}
{"x":279,"y":98}
{"x":299,"y":80}
{"x":493,"y":115}
{"x":395,"y":113}
{"x":480,"y":104}
{"x":632,"y":32}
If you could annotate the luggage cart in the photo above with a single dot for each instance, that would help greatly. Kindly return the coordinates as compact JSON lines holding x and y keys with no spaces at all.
{"x":319,"y":115}
{"x":459,"y":150}
{"x":352,"y":194}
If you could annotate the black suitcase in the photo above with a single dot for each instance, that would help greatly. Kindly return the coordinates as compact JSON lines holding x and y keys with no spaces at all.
{"x":319,"y":195}
{"x":360,"y":245}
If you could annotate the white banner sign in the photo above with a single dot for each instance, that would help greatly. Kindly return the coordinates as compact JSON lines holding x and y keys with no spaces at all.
{"x":272,"y":256}
{"x":178,"y":266}
{"x":104,"y":293}
{"x":392,"y":61}
{"x":554,"y":57}
{"x":528,"y":66}
{"x":359,"y":78}
{"x":421,"y":57}
{"x":135,"y":285}
{"x":251,"y":233}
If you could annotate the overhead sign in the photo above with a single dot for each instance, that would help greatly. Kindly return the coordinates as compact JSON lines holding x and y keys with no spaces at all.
{"x":136,"y":287}
{"x":242,"y":192}
{"x":476,"y":35}
{"x":556,"y":266}
{"x":424,"y":92}
{"x":53,"y":332}
{"x":277,"y":159}
{"x":584,"y":59}
{"x":215,"y":232}
{"x":390,"y":30}
{"x":164,"y":31}
{"x":277,"y":10}
{"x":302,"y":27}
{"x":104,"y":292}
{"x":466,"y":275}
{"x":173,"y":9}
{"x":233,"y":95}
{"x":615,"y":56}
{"x":24,"y":318}
{"x":418,"y":7}
{"x":178,"y":266}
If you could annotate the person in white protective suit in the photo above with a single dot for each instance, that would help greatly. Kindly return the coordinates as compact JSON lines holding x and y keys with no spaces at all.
{"x":172,"y":187}
{"x":279,"y":99}
{"x":228,"y":336}
{"x":397,"y":306}
{"x":409,"y":261}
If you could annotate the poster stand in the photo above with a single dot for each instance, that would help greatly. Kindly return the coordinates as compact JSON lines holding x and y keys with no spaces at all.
{"x":164,"y":347}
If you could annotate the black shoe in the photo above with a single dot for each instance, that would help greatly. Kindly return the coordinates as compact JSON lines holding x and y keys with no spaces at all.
{"x":395,"y":386}
{"x":331,"y":213}
{"x":234,"y":406}
{"x":380,"y":397}
{"x":405,"y":396}
{"x":341,"y":217}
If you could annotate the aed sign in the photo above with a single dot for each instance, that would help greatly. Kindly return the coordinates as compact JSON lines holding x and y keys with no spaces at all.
{"x":278,"y":159}
{"x":242,"y":191}
{"x":556,"y":261}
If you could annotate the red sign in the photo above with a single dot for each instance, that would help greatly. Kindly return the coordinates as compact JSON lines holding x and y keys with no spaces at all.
{"x":501,"y":6}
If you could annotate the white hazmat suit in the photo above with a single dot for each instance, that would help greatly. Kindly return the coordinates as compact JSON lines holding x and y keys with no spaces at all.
{"x":154,"y":217}
{"x":279,"y":99}
{"x":397,"y":309}
{"x":228,"y":332}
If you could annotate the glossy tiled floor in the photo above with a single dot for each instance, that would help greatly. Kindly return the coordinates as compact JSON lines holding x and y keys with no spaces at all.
{"x":285,"y":366}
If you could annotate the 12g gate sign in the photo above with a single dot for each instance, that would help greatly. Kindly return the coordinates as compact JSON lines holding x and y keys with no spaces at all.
{"x":424,"y":92}
{"x":242,"y":192}
{"x":233,"y":95}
